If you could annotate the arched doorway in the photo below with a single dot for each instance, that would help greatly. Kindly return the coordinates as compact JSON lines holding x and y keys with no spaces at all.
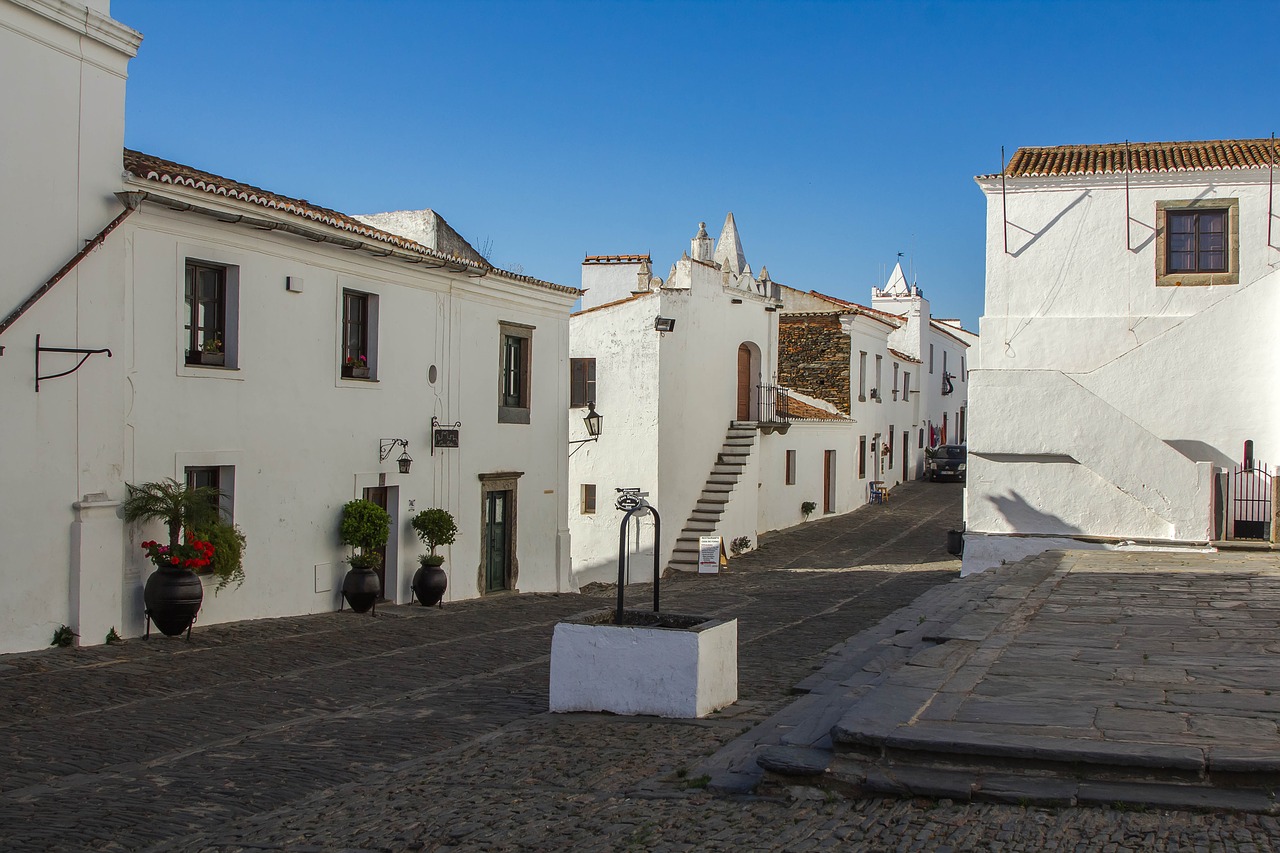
{"x":744,"y":383}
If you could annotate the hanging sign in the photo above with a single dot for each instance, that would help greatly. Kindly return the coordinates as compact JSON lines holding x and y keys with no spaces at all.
{"x":444,"y":435}
{"x":711,"y":555}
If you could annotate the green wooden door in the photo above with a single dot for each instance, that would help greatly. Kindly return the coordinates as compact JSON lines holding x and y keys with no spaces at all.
{"x":497,"y":544}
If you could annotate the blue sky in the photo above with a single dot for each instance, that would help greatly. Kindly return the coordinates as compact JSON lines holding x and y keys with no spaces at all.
{"x":839,"y":134}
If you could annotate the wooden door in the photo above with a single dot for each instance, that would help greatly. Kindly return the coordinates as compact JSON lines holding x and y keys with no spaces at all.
{"x":497,"y":540}
{"x":378,"y":495}
{"x":829,"y":481}
{"x":744,"y":383}
{"x":906,"y":447}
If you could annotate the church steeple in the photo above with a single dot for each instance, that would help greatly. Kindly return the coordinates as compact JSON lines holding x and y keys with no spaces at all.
{"x":729,"y":247}
{"x":897,"y":284}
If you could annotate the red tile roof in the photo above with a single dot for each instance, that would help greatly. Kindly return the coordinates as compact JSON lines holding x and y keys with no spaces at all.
{"x":1141,"y":157}
{"x":615,"y":259}
{"x":903,"y":356}
{"x":162,"y":171}
{"x":633,"y":297}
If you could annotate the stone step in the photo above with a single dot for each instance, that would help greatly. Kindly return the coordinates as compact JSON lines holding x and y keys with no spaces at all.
{"x":706,"y":514}
{"x":706,"y":527}
{"x":718,"y":499}
{"x":731,"y":468}
{"x":735,"y":450}
{"x":751,"y":425}
{"x":704,"y":505}
{"x":740,"y":440}
{"x":723,"y":478}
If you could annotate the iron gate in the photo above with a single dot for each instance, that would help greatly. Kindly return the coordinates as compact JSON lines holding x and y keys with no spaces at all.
{"x":1249,"y":500}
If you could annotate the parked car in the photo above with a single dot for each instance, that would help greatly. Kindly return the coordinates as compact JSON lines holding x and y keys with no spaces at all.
{"x":948,"y":460}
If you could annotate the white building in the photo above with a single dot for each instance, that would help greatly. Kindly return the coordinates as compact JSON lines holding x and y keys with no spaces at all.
{"x":718,"y":420}
{"x":690,"y":414}
{"x":1127,"y":345}
{"x":292,"y":292}
{"x":899,"y":373}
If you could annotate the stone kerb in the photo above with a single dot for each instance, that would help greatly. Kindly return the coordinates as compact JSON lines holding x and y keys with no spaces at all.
{"x":664,"y":665}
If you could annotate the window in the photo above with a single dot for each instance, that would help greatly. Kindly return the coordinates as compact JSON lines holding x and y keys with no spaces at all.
{"x":895,"y":381}
{"x":892,"y":429}
{"x":357,"y":334}
{"x":220,"y":477}
{"x":791,"y":467}
{"x":582,"y":381}
{"x":930,"y":359}
{"x":515,"y":354}
{"x":921,"y":437}
{"x":588,"y":498}
{"x":879,"y":375}
{"x":1198,"y":242}
{"x":906,"y":384}
{"x":964,"y":370}
{"x":209,"y":314}
{"x":862,"y":457}
{"x":944,"y":362}
{"x":862,"y":377}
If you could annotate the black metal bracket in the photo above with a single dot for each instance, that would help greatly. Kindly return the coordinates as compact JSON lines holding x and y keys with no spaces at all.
{"x":84,"y":353}
{"x":386,"y":445}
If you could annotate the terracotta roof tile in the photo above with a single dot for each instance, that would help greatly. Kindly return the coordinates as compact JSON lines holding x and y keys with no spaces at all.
{"x":1142,"y":157}
{"x":632,"y":298}
{"x":162,"y":171}
{"x":615,"y":259}
{"x":902,"y":356}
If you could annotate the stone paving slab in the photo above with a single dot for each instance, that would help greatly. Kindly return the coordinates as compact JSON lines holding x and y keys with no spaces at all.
{"x":1081,"y":683}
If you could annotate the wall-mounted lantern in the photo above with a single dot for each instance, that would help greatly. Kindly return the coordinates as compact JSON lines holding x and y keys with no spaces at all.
{"x":404,"y":460}
{"x":594,"y":421}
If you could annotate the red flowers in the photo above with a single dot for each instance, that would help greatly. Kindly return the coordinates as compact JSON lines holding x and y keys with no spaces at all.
{"x":192,"y":554}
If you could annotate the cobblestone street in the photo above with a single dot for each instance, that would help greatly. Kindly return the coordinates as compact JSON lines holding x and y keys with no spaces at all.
{"x":426,"y":729}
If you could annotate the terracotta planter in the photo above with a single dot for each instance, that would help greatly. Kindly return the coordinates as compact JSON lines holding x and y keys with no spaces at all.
{"x":429,"y":584}
{"x":173,"y":597}
{"x":361,"y":589}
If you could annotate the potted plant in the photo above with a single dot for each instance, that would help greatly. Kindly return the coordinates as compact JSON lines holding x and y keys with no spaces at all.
{"x":355,"y":367}
{"x":365,"y":526}
{"x":173,"y":593}
{"x":434,"y":527}
{"x":210,"y":352}
{"x":228,"y":549}
{"x":807,"y":508}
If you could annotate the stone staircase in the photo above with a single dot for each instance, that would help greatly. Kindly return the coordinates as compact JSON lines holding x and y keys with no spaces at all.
{"x":730,"y":462}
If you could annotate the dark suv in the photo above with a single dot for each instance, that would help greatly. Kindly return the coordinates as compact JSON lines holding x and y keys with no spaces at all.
{"x":947,"y":461}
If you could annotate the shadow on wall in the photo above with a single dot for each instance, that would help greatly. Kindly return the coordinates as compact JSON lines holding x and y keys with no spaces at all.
{"x":639,"y":569}
{"x":1024,"y":518}
{"x":1198,"y":451}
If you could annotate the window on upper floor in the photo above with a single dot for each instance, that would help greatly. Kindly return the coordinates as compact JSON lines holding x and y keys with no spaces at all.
{"x":930,"y":359}
{"x":1198,"y":242}
{"x":895,"y":381}
{"x":515,"y":354}
{"x":582,"y":381}
{"x":209,"y":318}
{"x":906,"y":385}
{"x":359,"y":335}
{"x":862,"y":377}
{"x":878,"y":391}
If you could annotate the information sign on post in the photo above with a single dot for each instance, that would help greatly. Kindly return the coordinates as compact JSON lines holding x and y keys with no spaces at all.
{"x":711,"y":555}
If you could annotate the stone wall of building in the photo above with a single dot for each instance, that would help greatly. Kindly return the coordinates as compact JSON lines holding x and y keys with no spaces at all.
{"x":813,"y":357}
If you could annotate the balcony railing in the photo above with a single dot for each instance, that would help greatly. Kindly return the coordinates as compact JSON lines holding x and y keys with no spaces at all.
{"x":775,"y":404}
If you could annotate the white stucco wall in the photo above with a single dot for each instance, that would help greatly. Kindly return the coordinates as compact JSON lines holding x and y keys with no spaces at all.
{"x":1145,"y":388}
{"x":779,"y":503}
{"x":625,"y":346}
{"x":63,"y":69}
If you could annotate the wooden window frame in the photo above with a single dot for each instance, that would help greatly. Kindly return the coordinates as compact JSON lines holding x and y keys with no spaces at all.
{"x":515,"y":369}
{"x":790,"y":473}
{"x":588,"y":499}
{"x":862,"y":457}
{"x":582,"y":382}
{"x":197,"y":335}
{"x":1168,"y":277}
{"x":356,"y":335}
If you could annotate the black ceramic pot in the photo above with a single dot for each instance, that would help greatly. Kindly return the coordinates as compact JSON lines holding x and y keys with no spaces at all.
{"x":429,"y":584}
{"x":173,"y":597}
{"x":361,"y":589}
{"x":955,"y":542}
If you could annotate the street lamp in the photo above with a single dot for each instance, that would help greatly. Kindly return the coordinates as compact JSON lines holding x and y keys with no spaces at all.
{"x":594,"y":421}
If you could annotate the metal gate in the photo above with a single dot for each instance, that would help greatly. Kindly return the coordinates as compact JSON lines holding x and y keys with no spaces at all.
{"x":1249,"y":500}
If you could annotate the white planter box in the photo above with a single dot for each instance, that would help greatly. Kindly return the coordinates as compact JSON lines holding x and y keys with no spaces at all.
{"x":683,"y":666}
